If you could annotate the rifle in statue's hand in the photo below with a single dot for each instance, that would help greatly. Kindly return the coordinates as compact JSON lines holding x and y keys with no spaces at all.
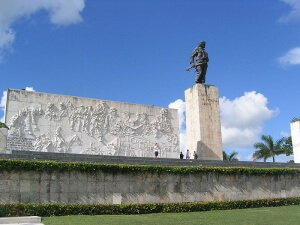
{"x":190,"y":67}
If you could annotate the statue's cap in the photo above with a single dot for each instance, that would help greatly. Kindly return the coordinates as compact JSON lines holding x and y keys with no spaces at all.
{"x":202,"y":42}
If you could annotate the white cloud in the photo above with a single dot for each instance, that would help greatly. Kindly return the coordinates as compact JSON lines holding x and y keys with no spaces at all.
{"x":249,"y":157}
{"x":292,"y":57}
{"x":62,"y":12}
{"x":2,"y":105}
{"x":29,"y":89}
{"x":242,"y":119}
{"x":294,"y":13}
{"x":284,"y":134}
{"x":180,"y":105}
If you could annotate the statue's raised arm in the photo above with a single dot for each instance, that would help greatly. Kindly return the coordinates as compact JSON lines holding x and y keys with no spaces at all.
{"x":201,"y":62}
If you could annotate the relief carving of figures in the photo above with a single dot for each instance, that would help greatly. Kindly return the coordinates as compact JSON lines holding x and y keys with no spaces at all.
{"x":58,"y":144}
{"x":62,"y":111}
{"x":79,"y":119}
{"x":59,"y":141}
{"x":25,"y":122}
{"x":54,"y":113}
{"x":14,"y":128}
{"x":98,"y":120}
{"x":112,"y":122}
{"x":35,"y":113}
{"x":43,"y":144}
{"x":162,"y":124}
{"x":50,"y":111}
{"x":73,"y":142}
{"x":126,"y":124}
{"x":86,"y":119}
{"x":173,"y":139}
{"x":104,"y":129}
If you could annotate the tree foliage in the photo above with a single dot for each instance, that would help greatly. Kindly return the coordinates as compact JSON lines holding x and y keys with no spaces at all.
{"x":288,"y":146}
{"x":230,"y":157}
{"x":268,"y":148}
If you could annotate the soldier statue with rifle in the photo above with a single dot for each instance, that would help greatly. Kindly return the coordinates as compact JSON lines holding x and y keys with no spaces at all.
{"x":201,"y":62}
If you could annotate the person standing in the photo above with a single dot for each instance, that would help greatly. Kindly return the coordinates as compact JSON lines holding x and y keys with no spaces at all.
{"x":188,"y":154}
{"x":156,"y":150}
{"x":181,"y":155}
{"x":195,"y":155}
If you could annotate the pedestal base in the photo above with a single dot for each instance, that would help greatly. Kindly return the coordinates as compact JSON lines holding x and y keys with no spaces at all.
{"x":203,"y":127}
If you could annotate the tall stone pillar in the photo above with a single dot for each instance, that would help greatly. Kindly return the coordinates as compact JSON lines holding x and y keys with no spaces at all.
{"x":203,"y":127}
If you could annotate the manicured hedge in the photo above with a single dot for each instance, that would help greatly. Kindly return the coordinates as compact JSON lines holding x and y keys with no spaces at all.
{"x":51,"y":166}
{"x":46,"y":210}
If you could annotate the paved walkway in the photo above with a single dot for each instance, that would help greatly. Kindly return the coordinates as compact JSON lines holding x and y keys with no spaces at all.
{"x":25,"y":220}
{"x":68,"y":157}
{"x":22,"y":224}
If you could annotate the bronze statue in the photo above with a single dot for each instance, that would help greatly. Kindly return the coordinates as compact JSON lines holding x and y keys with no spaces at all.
{"x":201,"y":62}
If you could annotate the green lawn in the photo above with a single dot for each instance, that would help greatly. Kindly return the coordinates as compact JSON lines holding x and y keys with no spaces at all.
{"x":286,"y":215}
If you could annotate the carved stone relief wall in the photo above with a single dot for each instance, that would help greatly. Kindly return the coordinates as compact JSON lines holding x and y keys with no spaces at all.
{"x":58,"y":123}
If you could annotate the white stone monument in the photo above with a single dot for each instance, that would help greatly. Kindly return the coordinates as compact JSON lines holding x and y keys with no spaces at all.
{"x":203,"y":127}
{"x":295,"y":133}
{"x":65,"y":124}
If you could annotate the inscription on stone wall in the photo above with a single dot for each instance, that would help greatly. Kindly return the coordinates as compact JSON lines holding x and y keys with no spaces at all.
{"x":19,"y":143}
{"x":206,"y":100}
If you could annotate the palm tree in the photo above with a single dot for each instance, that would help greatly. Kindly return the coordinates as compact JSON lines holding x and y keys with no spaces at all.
{"x":288,"y":146}
{"x":231,"y":157}
{"x":267,"y":148}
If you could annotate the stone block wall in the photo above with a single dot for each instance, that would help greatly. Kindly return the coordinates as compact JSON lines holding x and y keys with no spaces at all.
{"x":121,"y":188}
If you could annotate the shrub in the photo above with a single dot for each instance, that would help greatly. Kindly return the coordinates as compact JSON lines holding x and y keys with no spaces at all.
{"x":52,"y":209}
{"x":52,"y":166}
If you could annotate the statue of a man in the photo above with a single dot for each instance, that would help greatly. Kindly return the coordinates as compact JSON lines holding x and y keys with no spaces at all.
{"x":201,"y":62}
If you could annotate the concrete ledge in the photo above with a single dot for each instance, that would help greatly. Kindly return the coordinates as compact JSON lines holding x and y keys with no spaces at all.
{"x":67,"y":157}
{"x":21,"y":220}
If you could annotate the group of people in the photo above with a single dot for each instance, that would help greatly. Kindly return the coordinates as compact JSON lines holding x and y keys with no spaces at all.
{"x":188,"y":155}
{"x":181,"y":156}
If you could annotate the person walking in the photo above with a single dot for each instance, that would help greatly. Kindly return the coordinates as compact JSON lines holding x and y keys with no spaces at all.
{"x":188,"y":154}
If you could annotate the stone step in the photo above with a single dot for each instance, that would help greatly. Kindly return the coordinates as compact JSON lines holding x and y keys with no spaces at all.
{"x":36,"y":220}
{"x":68,"y":157}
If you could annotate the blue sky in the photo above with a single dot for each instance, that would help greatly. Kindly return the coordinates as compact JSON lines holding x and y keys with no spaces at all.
{"x":136,"y":51}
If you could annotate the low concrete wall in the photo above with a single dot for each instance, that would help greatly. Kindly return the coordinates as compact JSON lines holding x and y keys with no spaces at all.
{"x":100,"y":187}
